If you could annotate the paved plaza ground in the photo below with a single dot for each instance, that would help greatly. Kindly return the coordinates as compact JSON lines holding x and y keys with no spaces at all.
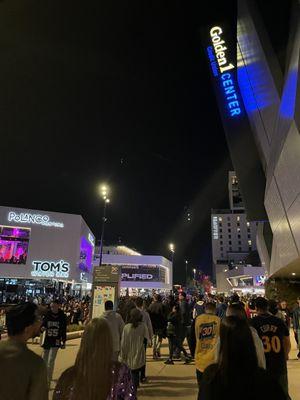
{"x":167,"y":381}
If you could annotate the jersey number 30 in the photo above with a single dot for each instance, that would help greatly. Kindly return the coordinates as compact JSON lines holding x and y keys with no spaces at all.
{"x":271,"y":344}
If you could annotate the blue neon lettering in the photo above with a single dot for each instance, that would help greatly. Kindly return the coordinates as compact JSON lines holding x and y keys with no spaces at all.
{"x":230,"y":94}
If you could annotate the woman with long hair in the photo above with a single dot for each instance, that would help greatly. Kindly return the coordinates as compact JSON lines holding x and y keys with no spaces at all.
{"x":237,"y":374}
{"x":132,"y":344}
{"x":95,"y":376}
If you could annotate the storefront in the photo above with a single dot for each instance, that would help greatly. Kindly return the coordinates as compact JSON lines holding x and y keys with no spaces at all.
{"x":42,"y":252}
{"x":141,"y":275}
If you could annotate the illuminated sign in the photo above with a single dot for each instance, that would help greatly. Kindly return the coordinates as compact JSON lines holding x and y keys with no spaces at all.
{"x":36,"y":219}
{"x":224,"y":71}
{"x":51,"y":269}
{"x":137,"y":277}
{"x":215,"y":227}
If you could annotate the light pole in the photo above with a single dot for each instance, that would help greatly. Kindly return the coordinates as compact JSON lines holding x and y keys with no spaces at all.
{"x":186,"y":272}
{"x":104,"y":193}
{"x":172,"y":250}
{"x":194,"y":270}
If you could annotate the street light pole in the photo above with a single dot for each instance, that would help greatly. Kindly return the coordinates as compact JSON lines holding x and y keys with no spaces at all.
{"x":186,"y":272}
{"x":104,"y":190}
{"x":172,"y":250}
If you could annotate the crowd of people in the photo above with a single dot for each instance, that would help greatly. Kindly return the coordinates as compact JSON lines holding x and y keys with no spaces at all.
{"x":240,"y":348}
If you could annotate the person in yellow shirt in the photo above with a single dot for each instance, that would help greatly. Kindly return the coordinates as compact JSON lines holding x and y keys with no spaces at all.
{"x":207,"y":332}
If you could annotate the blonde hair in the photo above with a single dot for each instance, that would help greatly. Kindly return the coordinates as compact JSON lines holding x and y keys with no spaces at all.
{"x":93,"y":365}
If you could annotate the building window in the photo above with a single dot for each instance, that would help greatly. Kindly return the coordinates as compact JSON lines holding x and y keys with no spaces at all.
{"x":238,"y":218}
{"x":239,"y":236}
{"x":220,"y":219}
{"x":248,"y":230}
{"x":238,"y":224}
{"x":229,"y":224}
{"x":250,"y":242}
{"x":240,"y":249}
{"x":221,"y":248}
{"x":248,"y":223}
{"x":221,"y":241}
{"x":229,"y":230}
{"x":221,"y":236}
{"x":250,"y":248}
{"x":249,"y":236}
{"x":229,"y":236}
{"x":230,"y":248}
{"x":229,"y":242}
{"x":222,"y":255}
{"x":228,"y":218}
{"x":240,"y":242}
{"x":220,"y":224}
{"x":238,"y":230}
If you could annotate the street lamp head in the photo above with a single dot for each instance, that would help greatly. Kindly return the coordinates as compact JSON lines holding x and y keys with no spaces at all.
{"x":103,"y":191}
{"x":107,"y":200}
{"x":186,"y":261}
{"x":172,"y":247}
{"x":194,"y":270}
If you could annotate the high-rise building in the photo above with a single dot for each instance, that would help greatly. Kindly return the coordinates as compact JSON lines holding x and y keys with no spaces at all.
{"x":233,"y":236}
{"x":255,"y":70}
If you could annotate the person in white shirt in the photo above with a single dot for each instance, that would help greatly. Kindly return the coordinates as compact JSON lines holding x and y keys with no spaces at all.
{"x":147,"y":320}
{"x":116,"y":324}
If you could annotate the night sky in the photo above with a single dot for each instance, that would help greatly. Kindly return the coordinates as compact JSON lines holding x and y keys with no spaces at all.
{"x":114,"y":91}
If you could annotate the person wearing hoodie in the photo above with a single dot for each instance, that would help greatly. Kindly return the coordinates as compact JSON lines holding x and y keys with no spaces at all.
{"x":199,"y":307}
{"x":116,"y":324}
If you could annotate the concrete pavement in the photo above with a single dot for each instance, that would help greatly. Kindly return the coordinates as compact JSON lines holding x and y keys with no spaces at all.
{"x":167,"y":381}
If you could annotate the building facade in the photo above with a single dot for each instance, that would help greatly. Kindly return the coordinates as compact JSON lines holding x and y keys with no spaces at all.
{"x":259,"y":78}
{"x":38,"y":249}
{"x":140,"y":274}
{"x":233,"y":237}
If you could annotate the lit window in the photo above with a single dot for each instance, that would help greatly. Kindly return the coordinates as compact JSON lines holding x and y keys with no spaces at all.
{"x":238,"y":229}
{"x":225,"y":270}
{"x":238,"y":218}
{"x":248,"y":223}
{"x":249,"y":242}
{"x":220,"y":219}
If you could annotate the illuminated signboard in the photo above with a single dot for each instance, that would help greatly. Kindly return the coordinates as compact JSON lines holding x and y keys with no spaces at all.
{"x":224,"y":71}
{"x":215,"y":228}
{"x":37,"y":219}
{"x":51,"y":269}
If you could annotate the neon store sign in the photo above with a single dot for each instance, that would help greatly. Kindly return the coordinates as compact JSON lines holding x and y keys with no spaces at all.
{"x":51,"y":269}
{"x":37,"y":219}
{"x":224,"y":70}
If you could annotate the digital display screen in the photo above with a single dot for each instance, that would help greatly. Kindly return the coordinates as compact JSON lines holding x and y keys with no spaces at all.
{"x":86,"y":255}
{"x":14,"y":243}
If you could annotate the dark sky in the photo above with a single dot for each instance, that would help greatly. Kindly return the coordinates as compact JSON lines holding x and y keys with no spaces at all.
{"x":114,"y":91}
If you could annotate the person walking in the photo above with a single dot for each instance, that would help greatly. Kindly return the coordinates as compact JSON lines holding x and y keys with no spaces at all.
{"x":95,"y":376}
{"x":221,"y":308}
{"x":54,"y":330}
{"x":147,"y":321}
{"x":199,"y":307}
{"x":206,"y":333}
{"x":276,"y":340}
{"x":174,"y":334}
{"x":237,"y":310}
{"x":296,"y":325}
{"x":23,"y":373}
{"x":132,"y":345}
{"x":158,"y":320}
{"x":237,"y":375}
{"x":116,"y":324}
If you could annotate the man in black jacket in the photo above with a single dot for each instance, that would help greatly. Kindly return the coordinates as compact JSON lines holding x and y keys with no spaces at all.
{"x":55,"y":335}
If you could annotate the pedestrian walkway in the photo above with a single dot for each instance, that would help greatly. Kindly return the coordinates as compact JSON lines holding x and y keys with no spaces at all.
{"x":167,"y":381}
